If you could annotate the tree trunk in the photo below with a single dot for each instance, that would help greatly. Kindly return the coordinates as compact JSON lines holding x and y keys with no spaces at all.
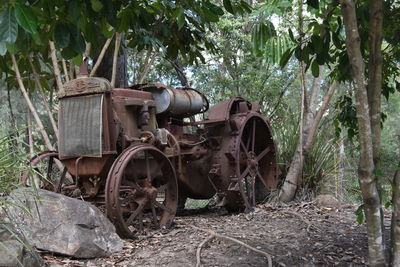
{"x":44,"y":98}
{"x":148,"y":61}
{"x":106,"y":66}
{"x":367,"y":178}
{"x":395,"y":227}
{"x":28,"y":101}
{"x":289,"y":187}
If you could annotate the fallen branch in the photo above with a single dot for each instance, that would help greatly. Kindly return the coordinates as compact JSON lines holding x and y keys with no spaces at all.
{"x":309,"y":224}
{"x":198,"y":252}
{"x":212,"y":233}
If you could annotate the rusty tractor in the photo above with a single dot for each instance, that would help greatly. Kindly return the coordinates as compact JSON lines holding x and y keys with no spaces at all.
{"x":129,"y":150}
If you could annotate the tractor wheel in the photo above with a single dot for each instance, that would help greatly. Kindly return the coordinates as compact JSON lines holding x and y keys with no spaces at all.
{"x":141,"y":191}
{"x":254,"y":160}
{"x":47,"y":172}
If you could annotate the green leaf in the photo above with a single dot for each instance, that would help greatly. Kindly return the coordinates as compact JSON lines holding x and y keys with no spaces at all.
{"x":315,"y":68}
{"x":360,"y":214}
{"x":181,"y":20}
{"x":378,"y":172}
{"x":8,"y":26}
{"x":96,"y":5}
{"x":74,"y":10}
{"x":313,"y":3}
{"x":228,"y":6}
{"x":12,"y":48}
{"x":68,"y":53}
{"x":78,"y":60}
{"x":62,"y":35}
{"x":285,"y":57}
{"x":26,"y":19}
{"x":78,"y":43}
{"x":3,"y":49}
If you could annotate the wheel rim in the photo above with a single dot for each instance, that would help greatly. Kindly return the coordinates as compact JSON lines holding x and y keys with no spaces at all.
{"x":141,"y":191}
{"x":255,"y":161}
{"x":45,"y":173}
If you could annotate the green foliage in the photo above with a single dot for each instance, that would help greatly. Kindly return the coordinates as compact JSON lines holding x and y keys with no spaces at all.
{"x":11,"y":164}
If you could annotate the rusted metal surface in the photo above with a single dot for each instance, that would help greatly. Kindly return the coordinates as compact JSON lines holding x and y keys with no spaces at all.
{"x":151,"y":146}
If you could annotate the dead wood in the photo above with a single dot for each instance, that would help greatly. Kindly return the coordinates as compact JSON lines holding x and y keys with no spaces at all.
{"x":265,"y":254}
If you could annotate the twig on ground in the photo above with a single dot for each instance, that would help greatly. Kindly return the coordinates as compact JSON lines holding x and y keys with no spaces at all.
{"x":265,"y":254}
{"x":198,"y":252}
{"x":309,"y":224}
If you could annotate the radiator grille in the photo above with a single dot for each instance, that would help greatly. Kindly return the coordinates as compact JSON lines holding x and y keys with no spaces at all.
{"x":80,"y":126}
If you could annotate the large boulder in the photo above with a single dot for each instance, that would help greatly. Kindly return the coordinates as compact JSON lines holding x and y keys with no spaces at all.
{"x":61,"y":224}
{"x":15,"y":252}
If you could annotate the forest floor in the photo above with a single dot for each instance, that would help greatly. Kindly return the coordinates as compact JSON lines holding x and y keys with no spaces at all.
{"x":300,"y":234}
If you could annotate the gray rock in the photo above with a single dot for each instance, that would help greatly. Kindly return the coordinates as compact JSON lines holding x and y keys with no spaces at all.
{"x":327,"y":201}
{"x":13,"y":253}
{"x":62,"y":224}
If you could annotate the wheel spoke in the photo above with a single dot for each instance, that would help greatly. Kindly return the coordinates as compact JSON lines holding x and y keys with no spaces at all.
{"x":263,"y":153}
{"x":57,"y":188}
{"x":253,"y":187}
{"x":136,"y":212}
{"x":243,"y":147}
{"x":244,"y":173}
{"x":153,"y":211}
{"x":49,"y":168}
{"x":262,"y":179}
{"x":253,"y":141}
{"x":161,"y":206}
{"x":147,"y":166}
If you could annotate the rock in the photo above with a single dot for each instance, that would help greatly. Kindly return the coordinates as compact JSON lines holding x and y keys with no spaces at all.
{"x":14,"y":253}
{"x":327,"y":201}
{"x":63,"y":225}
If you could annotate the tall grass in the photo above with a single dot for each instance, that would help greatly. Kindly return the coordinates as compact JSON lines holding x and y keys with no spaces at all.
{"x":319,"y":165}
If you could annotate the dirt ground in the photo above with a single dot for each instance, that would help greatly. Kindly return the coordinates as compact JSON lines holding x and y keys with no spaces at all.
{"x":295,"y":235}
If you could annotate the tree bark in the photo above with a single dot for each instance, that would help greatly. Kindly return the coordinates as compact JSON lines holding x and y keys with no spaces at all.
{"x":375,"y":74}
{"x":367,"y":178}
{"x":105,"y":68}
{"x":289,"y":187}
{"x":148,"y":61}
{"x":56,"y":69}
{"x":395,"y":227}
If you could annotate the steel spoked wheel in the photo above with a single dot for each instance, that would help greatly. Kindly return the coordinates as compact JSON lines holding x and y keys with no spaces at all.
{"x":47,"y":172}
{"x":141,"y":191}
{"x":256,"y":166}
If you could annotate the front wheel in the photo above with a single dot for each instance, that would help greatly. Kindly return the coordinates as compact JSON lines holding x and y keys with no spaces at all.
{"x":141,"y":191}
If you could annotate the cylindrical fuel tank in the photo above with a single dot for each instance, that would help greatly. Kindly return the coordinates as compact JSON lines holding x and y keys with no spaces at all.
{"x":183,"y":102}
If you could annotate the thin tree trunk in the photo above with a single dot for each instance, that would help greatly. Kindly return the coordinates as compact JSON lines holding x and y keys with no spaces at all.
{"x":30,"y":105}
{"x":150,"y":57}
{"x":375,"y":74}
{"x":179,"y":71}
{"x":395,"y":227}
{"x":56,"y":69}
{"x":65,"y":69}
{"x":30,"y":137}
{"x":314,"y":126}
{"x":289,"y":187}
{"x":115,"y":58}
{"x":100,"y":58}
{"x":366,"y":165}
{"x":44,"y":98}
